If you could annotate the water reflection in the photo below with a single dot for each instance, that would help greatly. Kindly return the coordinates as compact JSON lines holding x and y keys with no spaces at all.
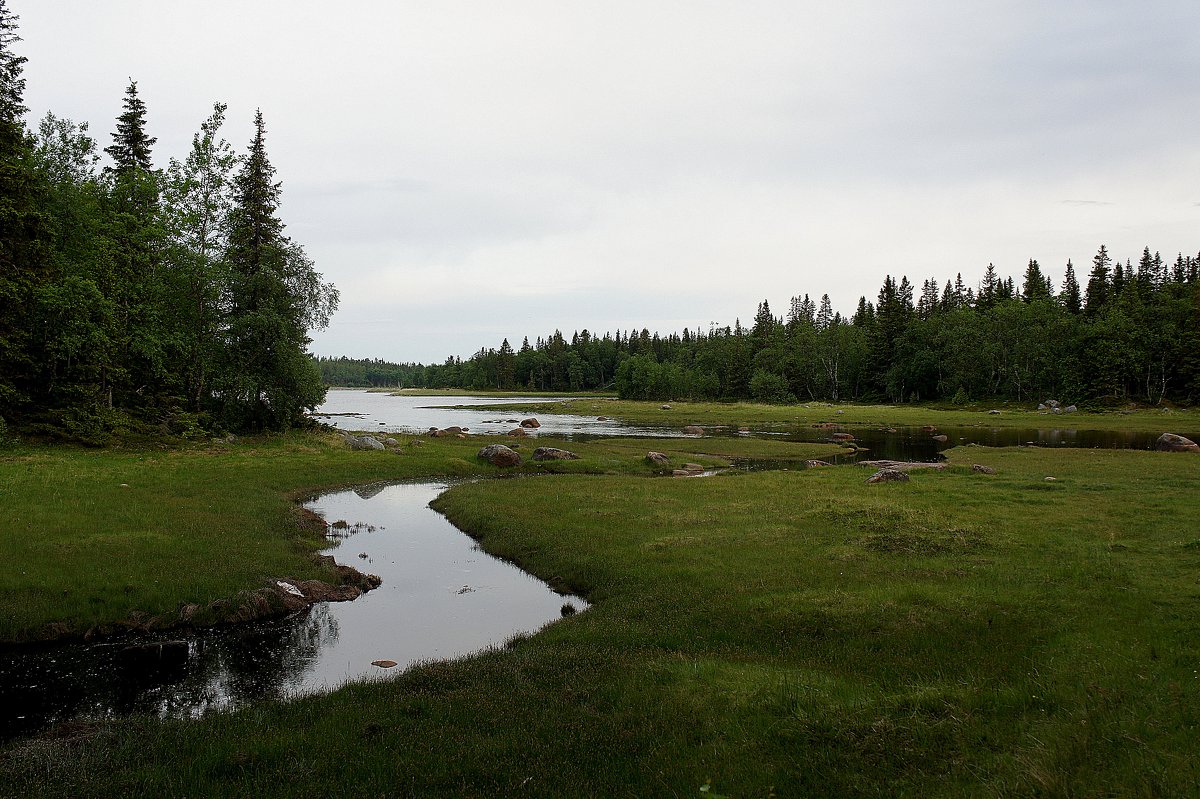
{"x":441,"y":597}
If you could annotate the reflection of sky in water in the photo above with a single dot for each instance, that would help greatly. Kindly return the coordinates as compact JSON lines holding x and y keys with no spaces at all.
{"x":385,"y":413}
{"x":441,"y":597}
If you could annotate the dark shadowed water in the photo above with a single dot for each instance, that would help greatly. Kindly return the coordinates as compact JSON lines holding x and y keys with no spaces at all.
{"x":441,"y":597}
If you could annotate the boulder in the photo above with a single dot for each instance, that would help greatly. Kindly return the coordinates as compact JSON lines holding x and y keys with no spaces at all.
{"x":657,"y":458}
{"x":694,"y":468}
{"x":391,"y":442}
{"x":1041,"y":406}
{"x":1070,"y":409}
{"x":993,"y":412}
{"x":693,"y":430}
{"x":681,"y":473}
{"x":1052,"y":403}
{"x":1170,"y":442}
{"x":499,"y":455}
{"x":531,"y":423}
{"x":928,"y":429}
{"x":601,"y":418}
{"x":888,"y":476}
{"x":554,"y":454}
{"x":941,"y":438}
{"x":842,"y":437}
{"x":518,"y":432}
{"x":362,"y":443}
{"x":446,"y":431}
{"x":979,"y":467}
{"x":1055,"y":409}
{"x":664,"y":407}
{"x":816,"y":464}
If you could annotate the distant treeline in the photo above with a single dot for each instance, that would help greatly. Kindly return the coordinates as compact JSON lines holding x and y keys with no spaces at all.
{"x":133,"y":296}
{"x":1131,"y":332}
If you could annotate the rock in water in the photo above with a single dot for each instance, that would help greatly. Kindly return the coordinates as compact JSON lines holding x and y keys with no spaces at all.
{"x":554,"y":454}
{"x":888,"y":476}
{"x":531,"y":422}
{"x":1170,"y":442}
{"x":693,"y":430}
{"x":500,"y":455}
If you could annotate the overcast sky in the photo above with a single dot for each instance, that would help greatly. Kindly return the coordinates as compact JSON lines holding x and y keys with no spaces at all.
{"x":470,"y":171}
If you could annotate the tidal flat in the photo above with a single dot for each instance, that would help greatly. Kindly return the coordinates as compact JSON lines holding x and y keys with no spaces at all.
{"x":787,"y":633}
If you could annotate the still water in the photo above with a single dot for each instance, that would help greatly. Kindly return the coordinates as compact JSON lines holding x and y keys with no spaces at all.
{"x":358,"y":409}
{"x":441,"y":597}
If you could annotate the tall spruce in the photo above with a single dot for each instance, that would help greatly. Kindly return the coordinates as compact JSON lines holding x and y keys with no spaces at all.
{"x":267,"y":380}
{"x":1099,"y":282}
{"x":1070,"y":291}
{"x":137,"y":377}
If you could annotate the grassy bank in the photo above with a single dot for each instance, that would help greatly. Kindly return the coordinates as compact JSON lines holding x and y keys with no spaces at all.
{"x":1180,"y":420}
{"x":93,"y":536}
{"x":765,"y":634}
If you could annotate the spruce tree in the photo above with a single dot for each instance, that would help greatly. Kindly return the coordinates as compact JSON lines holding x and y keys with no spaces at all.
{"x":267,"y":379}
{"x":1070,"y":291}
{"x":1099,"y":282}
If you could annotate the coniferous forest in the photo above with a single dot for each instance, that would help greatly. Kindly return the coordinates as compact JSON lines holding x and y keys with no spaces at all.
{"x":136,"y":296}
{"x":1127,"y":332}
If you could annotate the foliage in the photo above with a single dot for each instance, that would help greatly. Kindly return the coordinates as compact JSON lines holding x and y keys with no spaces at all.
{"x":130,"y":294}
{"x":1135,"y":341}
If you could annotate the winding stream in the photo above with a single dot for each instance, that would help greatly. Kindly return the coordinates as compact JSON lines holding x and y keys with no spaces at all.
{"x":442,"y":597}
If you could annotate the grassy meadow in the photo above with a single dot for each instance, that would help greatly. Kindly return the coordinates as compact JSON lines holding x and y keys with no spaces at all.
{"x":784,"y":633}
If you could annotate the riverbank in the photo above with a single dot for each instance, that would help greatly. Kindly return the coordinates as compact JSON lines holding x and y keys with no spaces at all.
{"x":744,"y":414}
{"x":793,"y":633}
{"x":101,"y":539}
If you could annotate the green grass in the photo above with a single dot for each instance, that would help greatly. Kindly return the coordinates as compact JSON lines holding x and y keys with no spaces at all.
{"x":92,"y":536}
{"x":783,"y":634}
{"x":744,"y":413}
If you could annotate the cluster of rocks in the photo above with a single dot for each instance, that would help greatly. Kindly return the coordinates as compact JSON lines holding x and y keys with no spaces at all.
{"x":503,"y":456}
{"x":1053,"y":406}
{"x":457,"y":432}
{"x":363,"y":442}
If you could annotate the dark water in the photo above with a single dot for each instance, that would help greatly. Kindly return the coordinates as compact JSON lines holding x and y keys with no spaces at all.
{"x":441,"y":597}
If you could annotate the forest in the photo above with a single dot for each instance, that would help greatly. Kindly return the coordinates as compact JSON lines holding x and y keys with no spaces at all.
{"x":1131,"y":332}
{"x":136,"y":297}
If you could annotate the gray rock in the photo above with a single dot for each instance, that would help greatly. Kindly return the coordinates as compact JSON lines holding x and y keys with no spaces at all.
{"x":1052,"y":403}
{"x":391,"y":442}
{"x":1070,"y":409}
{"x":814,"y":464}
{"x":664,"y":407}
{"x":370,"y":442}
{"x":993,"y":412}
{"x":500,"y":455}
{"x":554,"y":454}
{"x":1041,"y":406}
{"x":693,"y":430}
{"x":979,"y":467}
{"x":1170,"y":442}
{"x":657,"y":458}
{"x":888,"y":476}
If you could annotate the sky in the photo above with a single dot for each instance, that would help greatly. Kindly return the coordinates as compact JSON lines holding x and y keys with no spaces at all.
{"x":466,"y":172}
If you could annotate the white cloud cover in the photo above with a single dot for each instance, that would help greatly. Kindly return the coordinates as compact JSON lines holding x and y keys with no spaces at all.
{"x":469,"y":171}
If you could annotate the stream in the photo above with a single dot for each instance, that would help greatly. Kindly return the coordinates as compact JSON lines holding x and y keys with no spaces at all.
{"x":442,"y":597}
